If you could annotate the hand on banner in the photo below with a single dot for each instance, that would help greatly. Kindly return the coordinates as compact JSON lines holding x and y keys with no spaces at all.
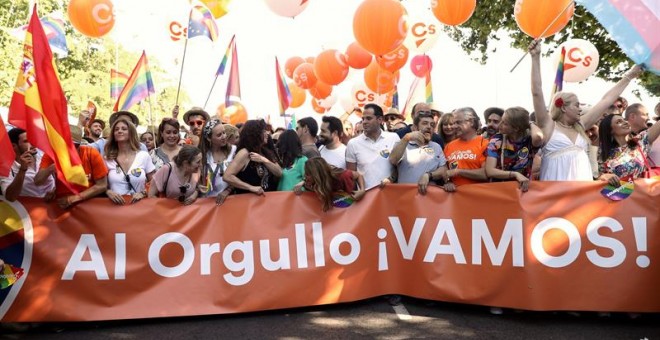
{"x":49,"y":196}
{"x":138,"y":196}
{"x":115,"y":198}
{"x":358,"y":194}
{"x":298,"y":188}
{"x":257,"y":190}
{"x":222,"y":196}
{"x":423,"y":183}
{"x":611,"y":179}
{"x":385,"y":182}
{"x":450,"y":187}
{"x":522,"y":180}
{"x":67,"y":201}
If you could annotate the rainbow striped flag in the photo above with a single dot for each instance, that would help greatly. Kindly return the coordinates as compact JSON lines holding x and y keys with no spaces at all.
{"x":559,"y":77}
{"x":54,"y":29}
{"x":117,"y":82}
{"x":39,"y":106}
{"x":202,"y":23}
{"x":138,"y":86}
{"x":223,"y":63}
{"x":9,"y":275}
{"x":429,"y":89}
{"x":283,"y":92}
{"x":233,"y":84}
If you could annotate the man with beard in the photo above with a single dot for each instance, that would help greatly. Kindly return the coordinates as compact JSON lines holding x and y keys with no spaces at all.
{"x":332,"y":150}
{"x":96,"y":129}
{"x":195,"y":118}
{"x":493,"y":117}
{"x":20,"y":181}
{"x":307,"y":128}
{"x":417,"y":108}
{"x":417,"y":158}
{"x":466,"y":156}
{"x":369,"y":152}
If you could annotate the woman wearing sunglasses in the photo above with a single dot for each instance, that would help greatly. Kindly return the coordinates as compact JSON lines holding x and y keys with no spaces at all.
{"x":178,"y":179}
{"x":129,"y":168}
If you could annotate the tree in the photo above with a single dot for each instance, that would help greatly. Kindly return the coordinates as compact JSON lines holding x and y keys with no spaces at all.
{"x":491,"y":16}
{"x":85,"y":72}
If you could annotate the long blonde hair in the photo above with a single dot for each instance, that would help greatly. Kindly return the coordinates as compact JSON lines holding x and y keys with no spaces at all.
{"x":324,"y":179}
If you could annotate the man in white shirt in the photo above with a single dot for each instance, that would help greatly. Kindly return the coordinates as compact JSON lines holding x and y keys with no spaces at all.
{"x":20,"y":181}
{"x":417,"y":158}
{"x":369,"y":152}
{"x":332,"y":150}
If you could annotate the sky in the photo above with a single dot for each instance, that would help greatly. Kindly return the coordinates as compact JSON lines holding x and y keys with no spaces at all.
{"x":261,"y":35}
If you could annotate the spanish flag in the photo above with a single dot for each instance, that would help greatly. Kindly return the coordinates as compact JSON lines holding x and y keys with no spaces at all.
{"x":39,"y":107}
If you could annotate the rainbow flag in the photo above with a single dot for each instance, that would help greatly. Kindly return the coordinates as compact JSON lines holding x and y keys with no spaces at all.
{"x":7,"y":150}
{"x":429,"y":89}
{"x":234,"y":84}
{"x":54,"y":29}
{"x":290,"y":121}
{"x":223,"y":63}
{"x":117,"y":82}
{"x":559,"y":78}
{"x":283,"y":92}
{"x":201,"y":23}
{"x":138,"y":86}
{"x":39,"y":106}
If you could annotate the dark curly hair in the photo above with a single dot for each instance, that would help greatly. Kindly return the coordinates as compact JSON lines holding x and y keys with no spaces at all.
{"x":251,"y":138}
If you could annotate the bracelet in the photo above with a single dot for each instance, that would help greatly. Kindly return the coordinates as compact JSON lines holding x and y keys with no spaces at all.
{"x":627,"y":77}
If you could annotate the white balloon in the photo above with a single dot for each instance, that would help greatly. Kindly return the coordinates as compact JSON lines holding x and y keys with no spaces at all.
{"x":362,"y":95}
{"x":328,"y":102}
{"x":581,"y":59}
{"x":423,"y":31}
{"x":287,"y":8}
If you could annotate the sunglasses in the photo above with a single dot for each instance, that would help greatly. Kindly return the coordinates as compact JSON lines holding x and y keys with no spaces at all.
{"x":182,"y":190}
{"x":391,"y":117}
{"x":196,"y":123}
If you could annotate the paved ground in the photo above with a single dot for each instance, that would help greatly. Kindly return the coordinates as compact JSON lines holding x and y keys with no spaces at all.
{"x":369,"y":319}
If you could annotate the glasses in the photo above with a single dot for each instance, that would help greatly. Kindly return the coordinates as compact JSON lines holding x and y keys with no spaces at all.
{"x":391,"y":117}
{"x":182,"y":190}
{"x":196,"y":123}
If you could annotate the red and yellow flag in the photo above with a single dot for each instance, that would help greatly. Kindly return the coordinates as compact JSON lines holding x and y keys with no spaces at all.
{"x":39,"y":107}
{"x":8,"y":155}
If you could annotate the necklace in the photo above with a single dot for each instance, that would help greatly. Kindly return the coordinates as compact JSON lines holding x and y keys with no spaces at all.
{"x":565,"y":126}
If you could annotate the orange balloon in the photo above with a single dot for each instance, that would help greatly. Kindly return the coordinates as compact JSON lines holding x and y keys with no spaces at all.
{"x":291,"y":65}
{"x":318,"y":108}
{"x":233,"y":114}
{"x":304,"y":76}
{"x":380,"y":26}
{"x":92,"y":18}
{"x":453,"y":12}
{"x":535,"y":16}
{"x":320,"y":90}
{"x":331,"y":67}
{"x":379,"y":80}
{"x":298,"y":95}
{"x":357,"y":57}
{"x":395,"y":60}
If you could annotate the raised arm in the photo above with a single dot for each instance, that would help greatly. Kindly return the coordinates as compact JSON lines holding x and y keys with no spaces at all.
{"x":591,"y":117}
{"x":543,"y":119}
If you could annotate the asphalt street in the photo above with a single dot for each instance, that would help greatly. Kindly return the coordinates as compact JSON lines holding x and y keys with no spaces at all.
{"x":369,"y":319}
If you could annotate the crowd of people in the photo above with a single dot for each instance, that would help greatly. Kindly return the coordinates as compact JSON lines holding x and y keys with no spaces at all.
{"x":610,"y":141}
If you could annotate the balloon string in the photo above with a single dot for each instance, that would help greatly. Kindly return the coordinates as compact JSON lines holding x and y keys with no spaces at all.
{"x":544,"y":32}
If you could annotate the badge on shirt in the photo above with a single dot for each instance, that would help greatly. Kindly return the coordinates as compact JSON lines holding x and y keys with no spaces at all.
{"x":385,"y":153}
{"x":429,"y":150}
{"x":523,"y":153}
{"x":136,"y":172}
{"x":618,"y":193}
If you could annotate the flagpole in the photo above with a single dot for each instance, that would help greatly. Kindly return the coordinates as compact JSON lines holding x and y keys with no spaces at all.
{"x":151,"y":120}
{"x":542,"y":33}
{"x":183,"y":61}
{"x":211,"y":91}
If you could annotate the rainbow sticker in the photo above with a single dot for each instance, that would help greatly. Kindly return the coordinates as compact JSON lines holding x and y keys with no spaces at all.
{"x":342,"y":200}
{"x":618,"y":193}
{"x":8,"y":275}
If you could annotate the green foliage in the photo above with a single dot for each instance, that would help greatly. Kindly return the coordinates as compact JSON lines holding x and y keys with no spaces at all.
{"x":85,"y":73}
{"x":492,"y":16}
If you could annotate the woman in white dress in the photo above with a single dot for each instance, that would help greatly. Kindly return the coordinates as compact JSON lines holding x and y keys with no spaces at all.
{"x":565,"y":144}
{"x":217,"y":153}
{"x":129,"y":168}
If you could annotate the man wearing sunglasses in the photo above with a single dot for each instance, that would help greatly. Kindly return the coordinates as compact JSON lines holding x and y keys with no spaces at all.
{"x":417,"y":108}
{"x":195,"y":118}
{"x":394,"y":120}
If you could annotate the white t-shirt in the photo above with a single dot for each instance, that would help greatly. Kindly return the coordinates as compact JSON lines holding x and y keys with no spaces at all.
{"x":419,"y":160}
{"x":372,"y":157}
{"x":29,"y":188}
{"x":336,"y":157}
{"x":216,"y":171}
{"x":137,"y":174}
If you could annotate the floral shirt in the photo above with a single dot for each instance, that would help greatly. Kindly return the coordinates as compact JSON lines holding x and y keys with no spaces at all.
{"x":626,"y":162}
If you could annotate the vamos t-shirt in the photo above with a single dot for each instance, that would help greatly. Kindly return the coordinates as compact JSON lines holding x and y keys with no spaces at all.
{"x":466,"y":155}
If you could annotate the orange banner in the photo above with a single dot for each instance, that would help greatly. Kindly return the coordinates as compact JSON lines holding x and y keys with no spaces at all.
{"x":560,"y":246}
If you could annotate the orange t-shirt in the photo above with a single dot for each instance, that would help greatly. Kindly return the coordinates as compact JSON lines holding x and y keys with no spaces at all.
{"x":92,"y":162}
{"x":466,"y":155}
